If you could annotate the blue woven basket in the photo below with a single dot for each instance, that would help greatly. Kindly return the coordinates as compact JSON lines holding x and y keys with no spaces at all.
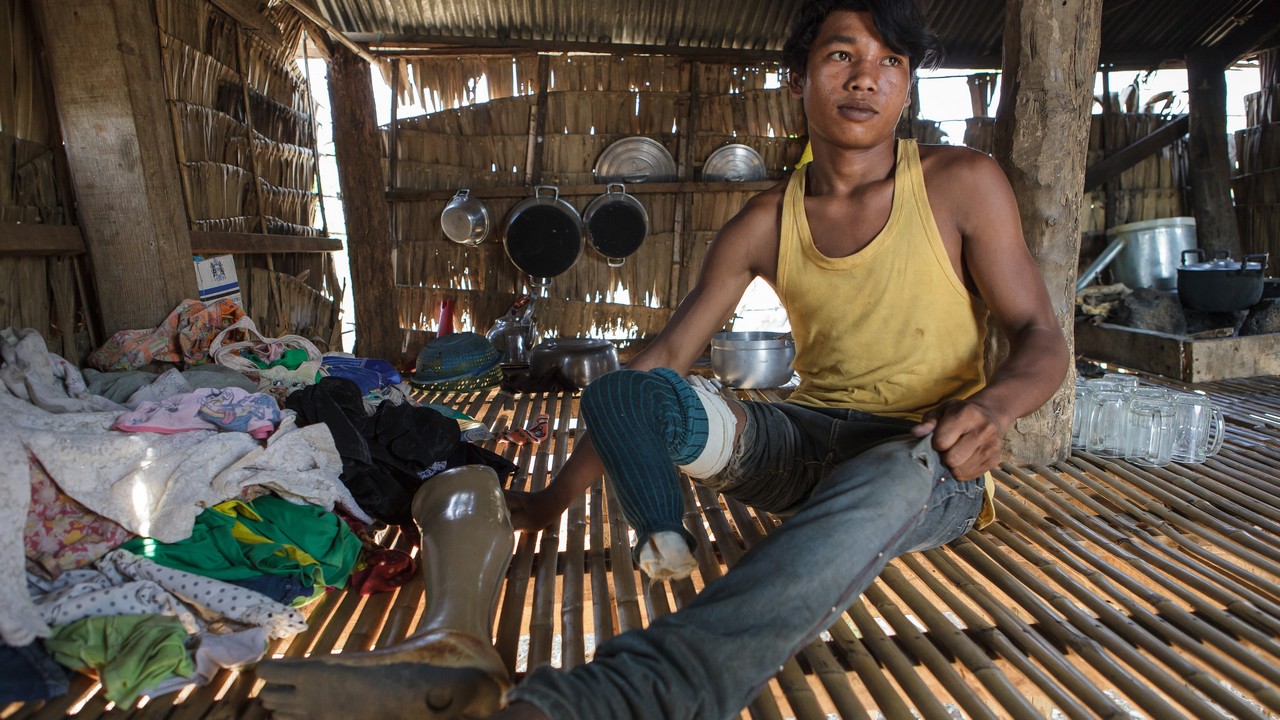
{"x":455,"y":356}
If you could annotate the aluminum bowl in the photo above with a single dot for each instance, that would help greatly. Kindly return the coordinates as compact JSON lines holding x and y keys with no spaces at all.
{"x":579,"y":360}
{"x":752,"y":359}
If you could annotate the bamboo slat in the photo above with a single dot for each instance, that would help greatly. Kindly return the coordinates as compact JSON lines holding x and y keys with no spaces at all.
{"x":1102,"y":590}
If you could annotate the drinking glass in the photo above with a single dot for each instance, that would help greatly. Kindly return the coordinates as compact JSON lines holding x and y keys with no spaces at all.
{"x":1108,"y":423}
{"x":1198,"y":428}
{"x":1080,"y":416}
{"x":1124,"y":381}
{"x":1150,"y":432}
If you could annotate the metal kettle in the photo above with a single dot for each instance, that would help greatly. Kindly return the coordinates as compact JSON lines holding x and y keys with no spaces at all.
{"x":514,"y":334}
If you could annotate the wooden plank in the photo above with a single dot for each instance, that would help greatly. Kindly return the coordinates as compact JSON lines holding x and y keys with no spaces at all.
{"x":29,"y":239}
{"x":310,"y":13}
{"x":1155,"y":352}
{"x":246,"y":13}
{"x":1178,"y":357}
{"x":206,"y":242}
{"x":397,"y":195}
{"x":104,"y":59}
{"x":1111,"y":166}
{"x":359,"y":146}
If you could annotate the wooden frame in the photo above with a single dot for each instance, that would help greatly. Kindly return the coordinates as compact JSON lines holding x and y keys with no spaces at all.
{"x":1178,"y":357}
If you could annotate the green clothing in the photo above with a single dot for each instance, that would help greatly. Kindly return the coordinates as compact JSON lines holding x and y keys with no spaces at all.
{"x":268,"y":536}
{"x":130,"y":653}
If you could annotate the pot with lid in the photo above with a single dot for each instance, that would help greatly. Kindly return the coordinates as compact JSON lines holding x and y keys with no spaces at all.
{"x":544,"y":235}
{"x":752,"y":359}
{"x":465,"y":220}
{"x":1221,"y":284}
{"x":617,"y":223}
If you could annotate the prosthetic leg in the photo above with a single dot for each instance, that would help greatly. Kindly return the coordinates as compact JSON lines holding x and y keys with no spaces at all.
{"x":448,"y":668}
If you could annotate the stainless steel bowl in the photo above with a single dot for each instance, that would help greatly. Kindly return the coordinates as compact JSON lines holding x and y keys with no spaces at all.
{"x":752,"y":359}
{"x":579,"y":360}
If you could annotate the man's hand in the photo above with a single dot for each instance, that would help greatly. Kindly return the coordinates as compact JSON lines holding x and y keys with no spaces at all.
{"x":966,"y":435}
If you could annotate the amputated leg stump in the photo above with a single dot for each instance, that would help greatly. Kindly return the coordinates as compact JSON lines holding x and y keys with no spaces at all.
{"x":448,"y":668}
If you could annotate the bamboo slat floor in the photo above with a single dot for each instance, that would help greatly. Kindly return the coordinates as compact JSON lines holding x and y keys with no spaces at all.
{"x":1104,"y":590}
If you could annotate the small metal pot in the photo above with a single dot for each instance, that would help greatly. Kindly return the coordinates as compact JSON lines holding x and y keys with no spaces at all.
{"x":752,"y":359}
{"x":578,"y":360}
{"x":1222,"y":284}
{"x":465,"y":220}
{"x":544,"y":234}
{"x":617,"y":224}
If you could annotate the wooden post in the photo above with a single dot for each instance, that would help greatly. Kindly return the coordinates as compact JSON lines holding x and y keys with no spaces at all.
{"x":1050,"y":62}
{"x":364,"y":203}
{"x":104,"y":61}
{"x":1207,"y":160}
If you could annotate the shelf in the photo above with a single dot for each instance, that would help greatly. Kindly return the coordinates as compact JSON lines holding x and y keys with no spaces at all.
{"x":407,"y":195}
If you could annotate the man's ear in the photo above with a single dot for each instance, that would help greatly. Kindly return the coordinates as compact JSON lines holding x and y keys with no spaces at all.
{"x":795,"y":81}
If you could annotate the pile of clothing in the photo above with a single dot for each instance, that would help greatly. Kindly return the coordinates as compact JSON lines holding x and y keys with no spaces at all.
{"x":158,"y":526}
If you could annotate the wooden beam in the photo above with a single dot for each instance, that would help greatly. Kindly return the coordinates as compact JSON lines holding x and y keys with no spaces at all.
{"x":406,"y":195}
{"x":1109,"y":167}
{"x":313,"y":15}
{"x":358,"y":144}
{"x":246,"y":13}
{"x":1258,"y":29}
{"x":1050,"y":63}
{"x":25,"y":239}
{"x":204,"y":242}
{"x":1208,"y":162}
{"x":104,"y":59}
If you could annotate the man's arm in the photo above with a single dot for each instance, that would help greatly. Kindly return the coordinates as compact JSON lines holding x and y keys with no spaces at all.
{"x":968,"y":433}
{"x":733,"y":260}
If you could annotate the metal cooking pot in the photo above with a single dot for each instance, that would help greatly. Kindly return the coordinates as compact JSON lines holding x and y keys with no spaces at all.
{"x":578,"y":360}
{"x":465,"y":219}
{"x":1222,"y":284}
{"x":617,"y":223}
{"x":752,"y":359}
{"x":544,"y":234}
{"x":1149,"y":251}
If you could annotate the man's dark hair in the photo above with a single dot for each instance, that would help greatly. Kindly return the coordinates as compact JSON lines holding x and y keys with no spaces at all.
{"x":899,"y":22}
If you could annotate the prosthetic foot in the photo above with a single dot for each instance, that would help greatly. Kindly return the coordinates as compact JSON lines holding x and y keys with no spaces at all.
{"x":666,"y":556}
{"x":448,"y":668}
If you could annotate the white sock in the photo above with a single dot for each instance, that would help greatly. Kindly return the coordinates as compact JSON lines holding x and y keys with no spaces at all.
{"x":666,"y":556}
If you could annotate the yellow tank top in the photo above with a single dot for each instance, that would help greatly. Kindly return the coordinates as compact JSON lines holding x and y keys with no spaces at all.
{"x":891,"y":329}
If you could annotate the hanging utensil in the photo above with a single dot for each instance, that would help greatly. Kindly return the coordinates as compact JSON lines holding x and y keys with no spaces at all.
{"x":465,"y":220}
{"x":544,"y":235}
{"x":617,"y":224}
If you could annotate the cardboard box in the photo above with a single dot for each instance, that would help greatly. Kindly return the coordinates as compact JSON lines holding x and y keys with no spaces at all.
{"x":216,"y":279}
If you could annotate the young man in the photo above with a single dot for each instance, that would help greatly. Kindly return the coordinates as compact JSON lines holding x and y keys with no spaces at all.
{"x":888,"y":259}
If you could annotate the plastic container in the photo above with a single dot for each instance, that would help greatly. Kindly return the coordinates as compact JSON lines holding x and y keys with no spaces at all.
{"x":1152,"y":251}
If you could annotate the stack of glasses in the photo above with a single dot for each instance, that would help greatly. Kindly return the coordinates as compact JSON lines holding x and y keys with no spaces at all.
{"x":1115,"y":417}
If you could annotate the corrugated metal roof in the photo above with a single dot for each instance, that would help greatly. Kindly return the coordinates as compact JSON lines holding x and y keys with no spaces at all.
{"x":1136,"y":33}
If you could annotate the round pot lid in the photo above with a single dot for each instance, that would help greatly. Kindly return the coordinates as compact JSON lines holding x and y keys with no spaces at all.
{"x":634,"y":160}
{"x":733,"y":163}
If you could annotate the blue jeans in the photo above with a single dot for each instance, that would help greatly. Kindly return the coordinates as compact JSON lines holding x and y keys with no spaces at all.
{"x":858,"y":489}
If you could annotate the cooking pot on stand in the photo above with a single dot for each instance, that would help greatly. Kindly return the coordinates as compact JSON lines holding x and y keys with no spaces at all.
{"x":465,"y":220}
{"x":1222,"y":284}
{"x":544,"y":235}
{"x":617,"y":224}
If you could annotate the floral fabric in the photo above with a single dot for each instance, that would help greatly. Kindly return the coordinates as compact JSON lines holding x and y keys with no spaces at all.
{"x":61,"y":534}
{"x":183,"y":338}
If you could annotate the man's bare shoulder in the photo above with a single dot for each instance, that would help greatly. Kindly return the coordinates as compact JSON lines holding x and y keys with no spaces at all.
{"x":956,"y":163}
{"x":962,"y":181}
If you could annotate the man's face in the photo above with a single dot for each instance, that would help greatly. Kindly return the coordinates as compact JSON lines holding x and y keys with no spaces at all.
{"x":855,"y":87}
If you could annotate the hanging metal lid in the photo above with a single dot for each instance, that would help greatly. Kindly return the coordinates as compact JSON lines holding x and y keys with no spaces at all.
{"x":733,"y":163}
{"x":635,"y":160}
